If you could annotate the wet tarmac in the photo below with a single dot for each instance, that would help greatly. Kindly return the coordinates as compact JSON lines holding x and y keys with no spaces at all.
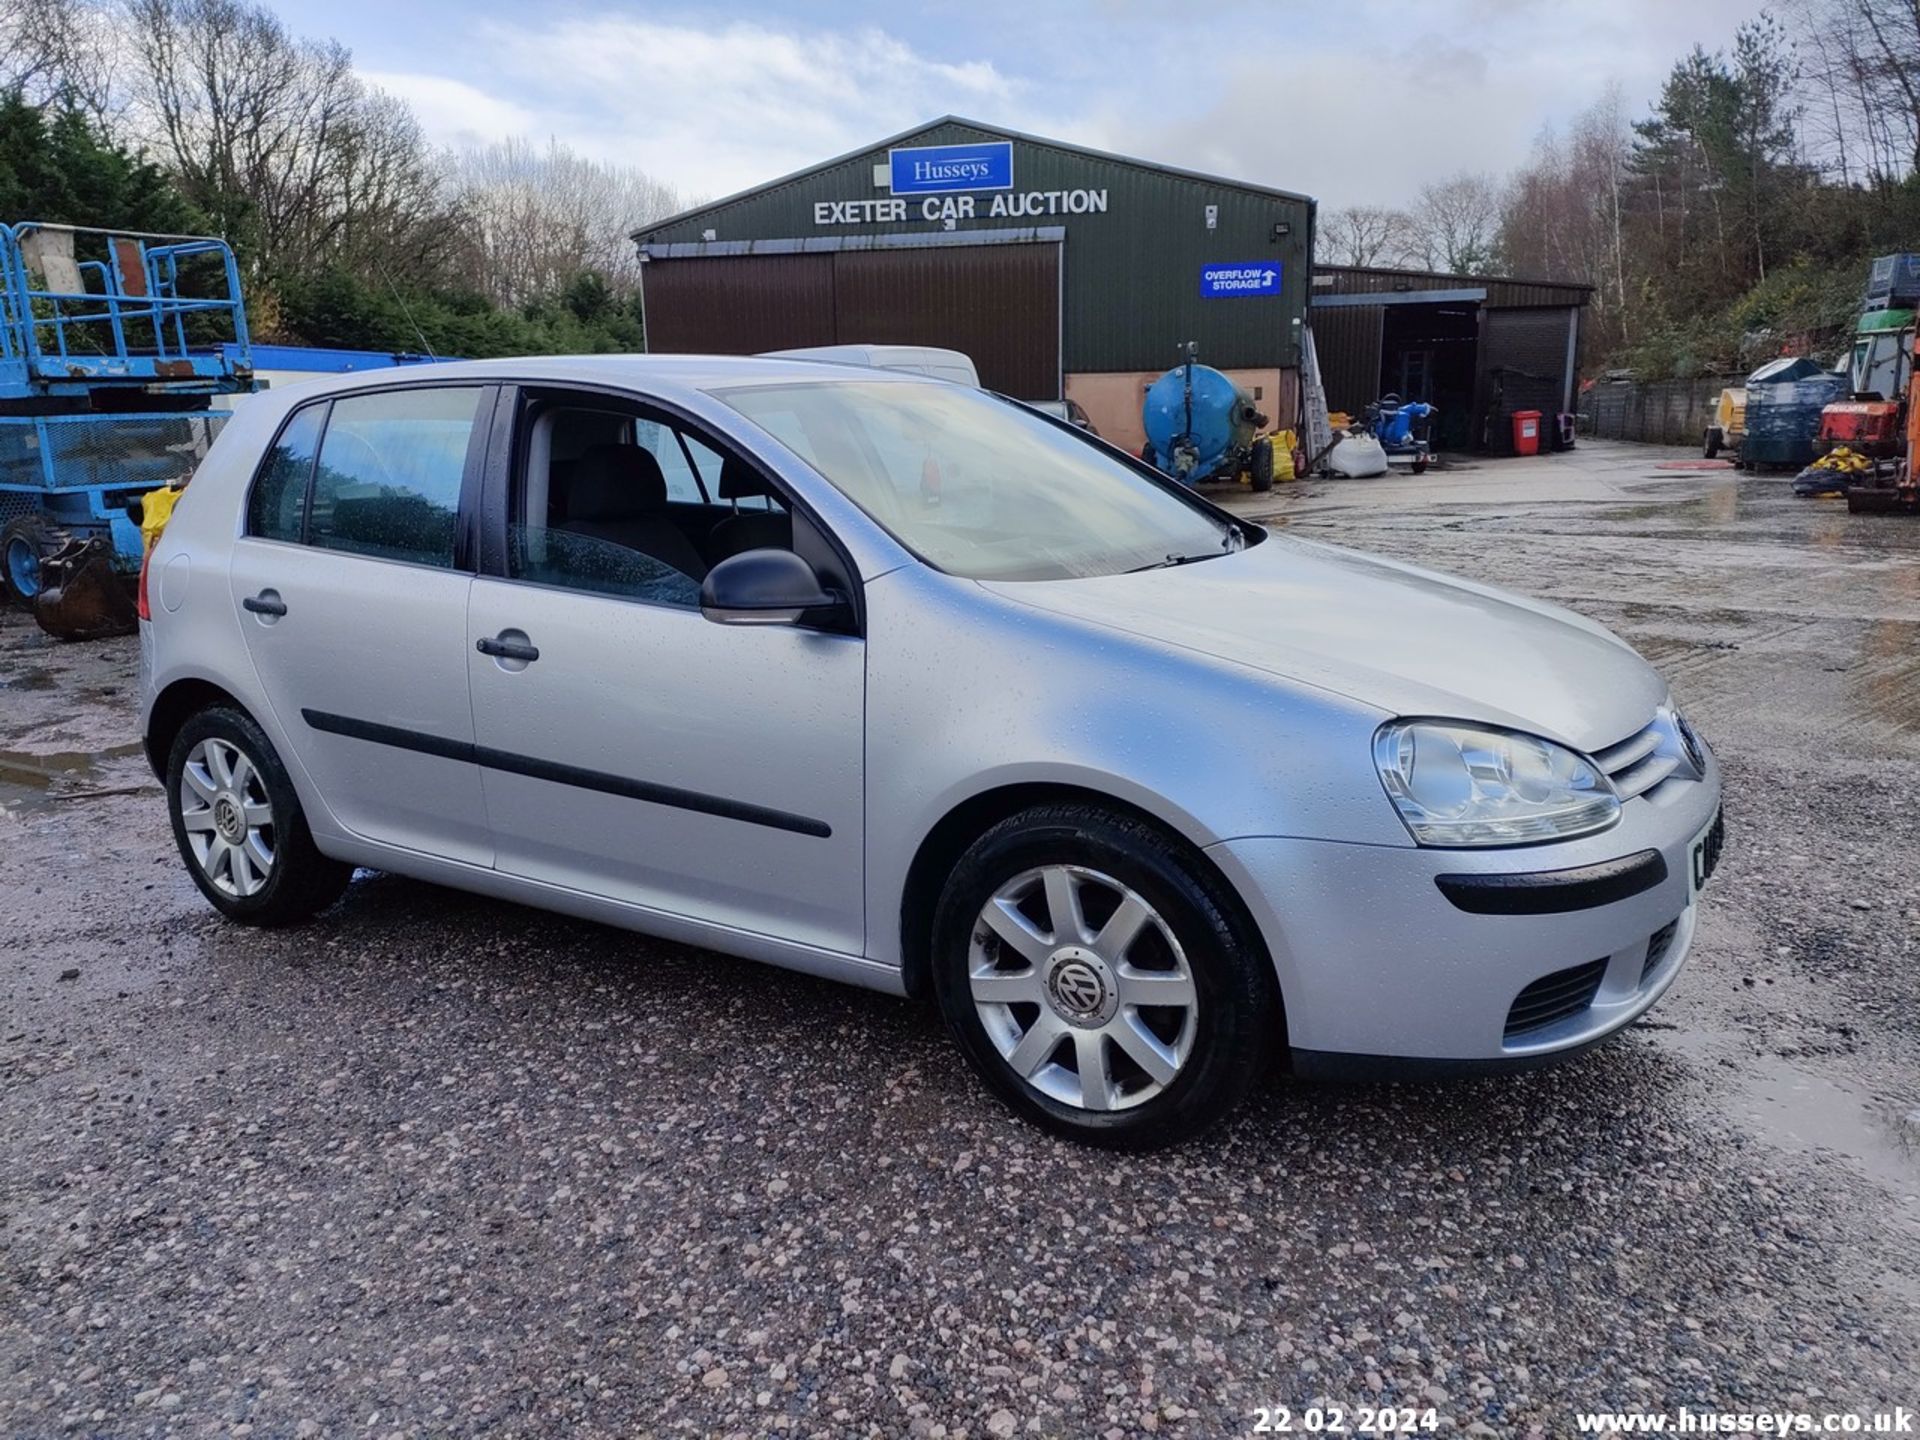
{"x":434,"y":1165}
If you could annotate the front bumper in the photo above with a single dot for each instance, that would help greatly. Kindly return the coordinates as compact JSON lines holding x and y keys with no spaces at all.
{"x":1380,"y":971}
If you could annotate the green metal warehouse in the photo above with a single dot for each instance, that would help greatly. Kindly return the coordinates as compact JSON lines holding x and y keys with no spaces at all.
{"x":1060,"y":270}
{"x":1064,"y":271}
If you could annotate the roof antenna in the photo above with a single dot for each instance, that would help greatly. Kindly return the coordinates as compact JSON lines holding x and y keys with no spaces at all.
{"x":418,"y":333}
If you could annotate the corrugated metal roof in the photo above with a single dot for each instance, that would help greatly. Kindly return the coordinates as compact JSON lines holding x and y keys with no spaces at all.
{"x":1503,"y":291}
{"x":998,"y":131}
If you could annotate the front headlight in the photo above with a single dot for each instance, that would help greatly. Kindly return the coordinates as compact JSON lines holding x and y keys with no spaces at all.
{"x":1457,"y":784}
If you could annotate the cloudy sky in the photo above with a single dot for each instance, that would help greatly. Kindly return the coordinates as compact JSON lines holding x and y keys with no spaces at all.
{"x":1348,"y":100}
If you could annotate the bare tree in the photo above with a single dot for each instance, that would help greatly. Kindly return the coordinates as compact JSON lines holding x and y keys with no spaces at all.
{"x":277,"y":140}
{"x":1365,"y":235}
{"x":1455,"y":223}
{"x":59,"y":51}
{"x":539,"y":216}
{"x":1563,"y":213}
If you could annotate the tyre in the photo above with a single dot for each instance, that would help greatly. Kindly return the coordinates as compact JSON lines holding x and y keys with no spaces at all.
{"x":1263,"y":464}
{"x":239,"y":825}
{"x":1711,"y":447}
{"x":1420,"y":463}
{"x":25,"y":540}
{"x":1100,"y":980}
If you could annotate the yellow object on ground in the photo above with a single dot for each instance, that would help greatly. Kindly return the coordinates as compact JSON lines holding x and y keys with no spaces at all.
{"x":1339,"y":420}
{"x":1283,"y":443}
{"x":1844,"y":460}
{"x":156,"y":508}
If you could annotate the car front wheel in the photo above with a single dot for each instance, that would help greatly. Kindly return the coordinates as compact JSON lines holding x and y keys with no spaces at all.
{"x":1099,"y":980}
{"x":239,"y":825}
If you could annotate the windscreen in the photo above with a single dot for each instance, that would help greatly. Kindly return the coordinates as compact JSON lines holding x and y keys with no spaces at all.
{"x":979,"y":487}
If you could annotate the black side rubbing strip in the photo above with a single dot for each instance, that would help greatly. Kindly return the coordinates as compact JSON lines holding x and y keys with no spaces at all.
{"x":566,"y":774}
{"x":1554,"y":892}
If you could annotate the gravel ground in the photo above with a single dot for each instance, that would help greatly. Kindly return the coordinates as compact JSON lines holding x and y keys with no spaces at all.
{"x":434,"y":1165}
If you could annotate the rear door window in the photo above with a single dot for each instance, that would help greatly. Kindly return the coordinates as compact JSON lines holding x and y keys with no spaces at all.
{"x":389,"y":476}
{"x":277,"y":510}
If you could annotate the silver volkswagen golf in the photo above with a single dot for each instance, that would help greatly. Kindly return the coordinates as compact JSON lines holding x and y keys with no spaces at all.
{"x":897,"y":682}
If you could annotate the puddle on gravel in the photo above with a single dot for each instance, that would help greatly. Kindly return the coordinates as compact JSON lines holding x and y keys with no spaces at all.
{"x":31,"y":782}
{"x":1804,"y":1113}
{"x":36,"y":679}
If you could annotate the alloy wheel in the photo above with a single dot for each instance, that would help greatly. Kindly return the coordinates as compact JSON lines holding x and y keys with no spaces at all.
{"x":1082,"y":987}
{"x":228,"y":817}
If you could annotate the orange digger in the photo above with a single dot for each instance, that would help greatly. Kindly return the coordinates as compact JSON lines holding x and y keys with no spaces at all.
{"x":1895,"y":487}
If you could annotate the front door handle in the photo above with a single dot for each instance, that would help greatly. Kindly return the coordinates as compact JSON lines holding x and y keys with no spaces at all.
{"x":267,"y":602}
{"x":502,"y":648}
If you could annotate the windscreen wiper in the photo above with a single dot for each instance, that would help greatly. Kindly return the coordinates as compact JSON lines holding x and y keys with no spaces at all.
{"x":1173,"y":560}
{"x":1231,"y":543}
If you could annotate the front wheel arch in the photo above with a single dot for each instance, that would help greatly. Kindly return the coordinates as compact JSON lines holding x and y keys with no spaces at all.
{"x":955,"y":832}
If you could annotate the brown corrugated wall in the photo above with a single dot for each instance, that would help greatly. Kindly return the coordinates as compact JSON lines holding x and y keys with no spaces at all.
{"x":1347,"y":340}
{"x":999,"y":304}
{"x":739,"y":306}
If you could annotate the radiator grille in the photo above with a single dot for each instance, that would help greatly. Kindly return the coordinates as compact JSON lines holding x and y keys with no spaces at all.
{"x":1639,"y":762}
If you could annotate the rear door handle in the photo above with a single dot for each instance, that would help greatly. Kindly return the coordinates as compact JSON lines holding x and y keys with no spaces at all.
{"x":267,"y":602}
{"x":502,"y":649}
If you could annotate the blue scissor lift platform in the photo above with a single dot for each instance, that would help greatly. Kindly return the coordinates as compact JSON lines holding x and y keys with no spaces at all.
{"x":113,"y":345}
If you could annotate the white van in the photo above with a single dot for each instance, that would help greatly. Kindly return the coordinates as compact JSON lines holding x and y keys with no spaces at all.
{"x":928,"y":360}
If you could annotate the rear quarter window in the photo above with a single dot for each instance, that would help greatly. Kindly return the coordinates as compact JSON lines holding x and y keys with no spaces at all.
{"x":277,"y":508}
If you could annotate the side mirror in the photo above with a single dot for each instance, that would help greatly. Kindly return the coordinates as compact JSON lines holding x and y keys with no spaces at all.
{"x":764,"y":587}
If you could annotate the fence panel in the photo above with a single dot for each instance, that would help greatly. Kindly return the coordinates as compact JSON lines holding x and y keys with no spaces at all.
{"x":1655,"y":412}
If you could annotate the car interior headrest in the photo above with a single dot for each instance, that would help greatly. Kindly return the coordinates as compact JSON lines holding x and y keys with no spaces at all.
{"x":740,"y":481}
{"x":615,"y":482}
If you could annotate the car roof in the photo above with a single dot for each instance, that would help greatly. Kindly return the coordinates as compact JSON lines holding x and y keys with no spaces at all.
{"x":659,"y":374}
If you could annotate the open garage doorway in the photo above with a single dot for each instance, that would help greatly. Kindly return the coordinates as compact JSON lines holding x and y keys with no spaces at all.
{"x":1428,"y":352}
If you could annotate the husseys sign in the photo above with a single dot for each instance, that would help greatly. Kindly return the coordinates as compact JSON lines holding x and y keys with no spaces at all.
{"x":935,"y":169}
{"x":943,"y":185}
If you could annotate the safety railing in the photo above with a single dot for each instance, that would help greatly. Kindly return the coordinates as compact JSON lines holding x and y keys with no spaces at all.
{"x":82,"y":306}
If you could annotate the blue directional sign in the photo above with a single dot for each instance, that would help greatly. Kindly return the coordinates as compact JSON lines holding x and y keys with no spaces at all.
{"x":934,"y":169}
{"x":1256,"y":277}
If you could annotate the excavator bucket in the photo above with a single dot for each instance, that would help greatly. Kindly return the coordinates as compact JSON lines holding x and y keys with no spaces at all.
{"x":82,"y":597}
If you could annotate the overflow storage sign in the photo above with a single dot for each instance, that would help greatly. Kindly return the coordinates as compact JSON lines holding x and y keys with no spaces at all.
{"x":1220,"y":282}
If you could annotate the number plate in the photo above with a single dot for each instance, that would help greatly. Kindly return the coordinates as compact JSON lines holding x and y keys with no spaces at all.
{"x":1704,"y":853}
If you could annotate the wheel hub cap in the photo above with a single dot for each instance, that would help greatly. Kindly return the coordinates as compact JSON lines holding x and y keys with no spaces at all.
{"x":228,"y":817}
{"x":1080,"y":987}
{"x":229,"y":820}
{"x":1083,"y":988}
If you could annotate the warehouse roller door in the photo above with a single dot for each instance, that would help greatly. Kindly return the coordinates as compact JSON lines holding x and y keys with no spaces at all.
{"x":738,"y":306}
{"x":999,"y":304}
{"x":1525,"y":364}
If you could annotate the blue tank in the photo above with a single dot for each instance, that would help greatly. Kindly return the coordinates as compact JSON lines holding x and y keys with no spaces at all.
{"x":1200,"y":425}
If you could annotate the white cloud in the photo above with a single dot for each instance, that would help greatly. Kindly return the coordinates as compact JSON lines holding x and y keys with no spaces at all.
{"x":453,"y":112}
{"x":710,"y":110}
{"x":1465,"y":85}
{"x":1363,"y":101}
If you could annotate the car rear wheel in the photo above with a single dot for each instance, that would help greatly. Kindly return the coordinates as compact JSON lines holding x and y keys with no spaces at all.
{"x":239,"y":825}
{"x":1098,"y":980}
